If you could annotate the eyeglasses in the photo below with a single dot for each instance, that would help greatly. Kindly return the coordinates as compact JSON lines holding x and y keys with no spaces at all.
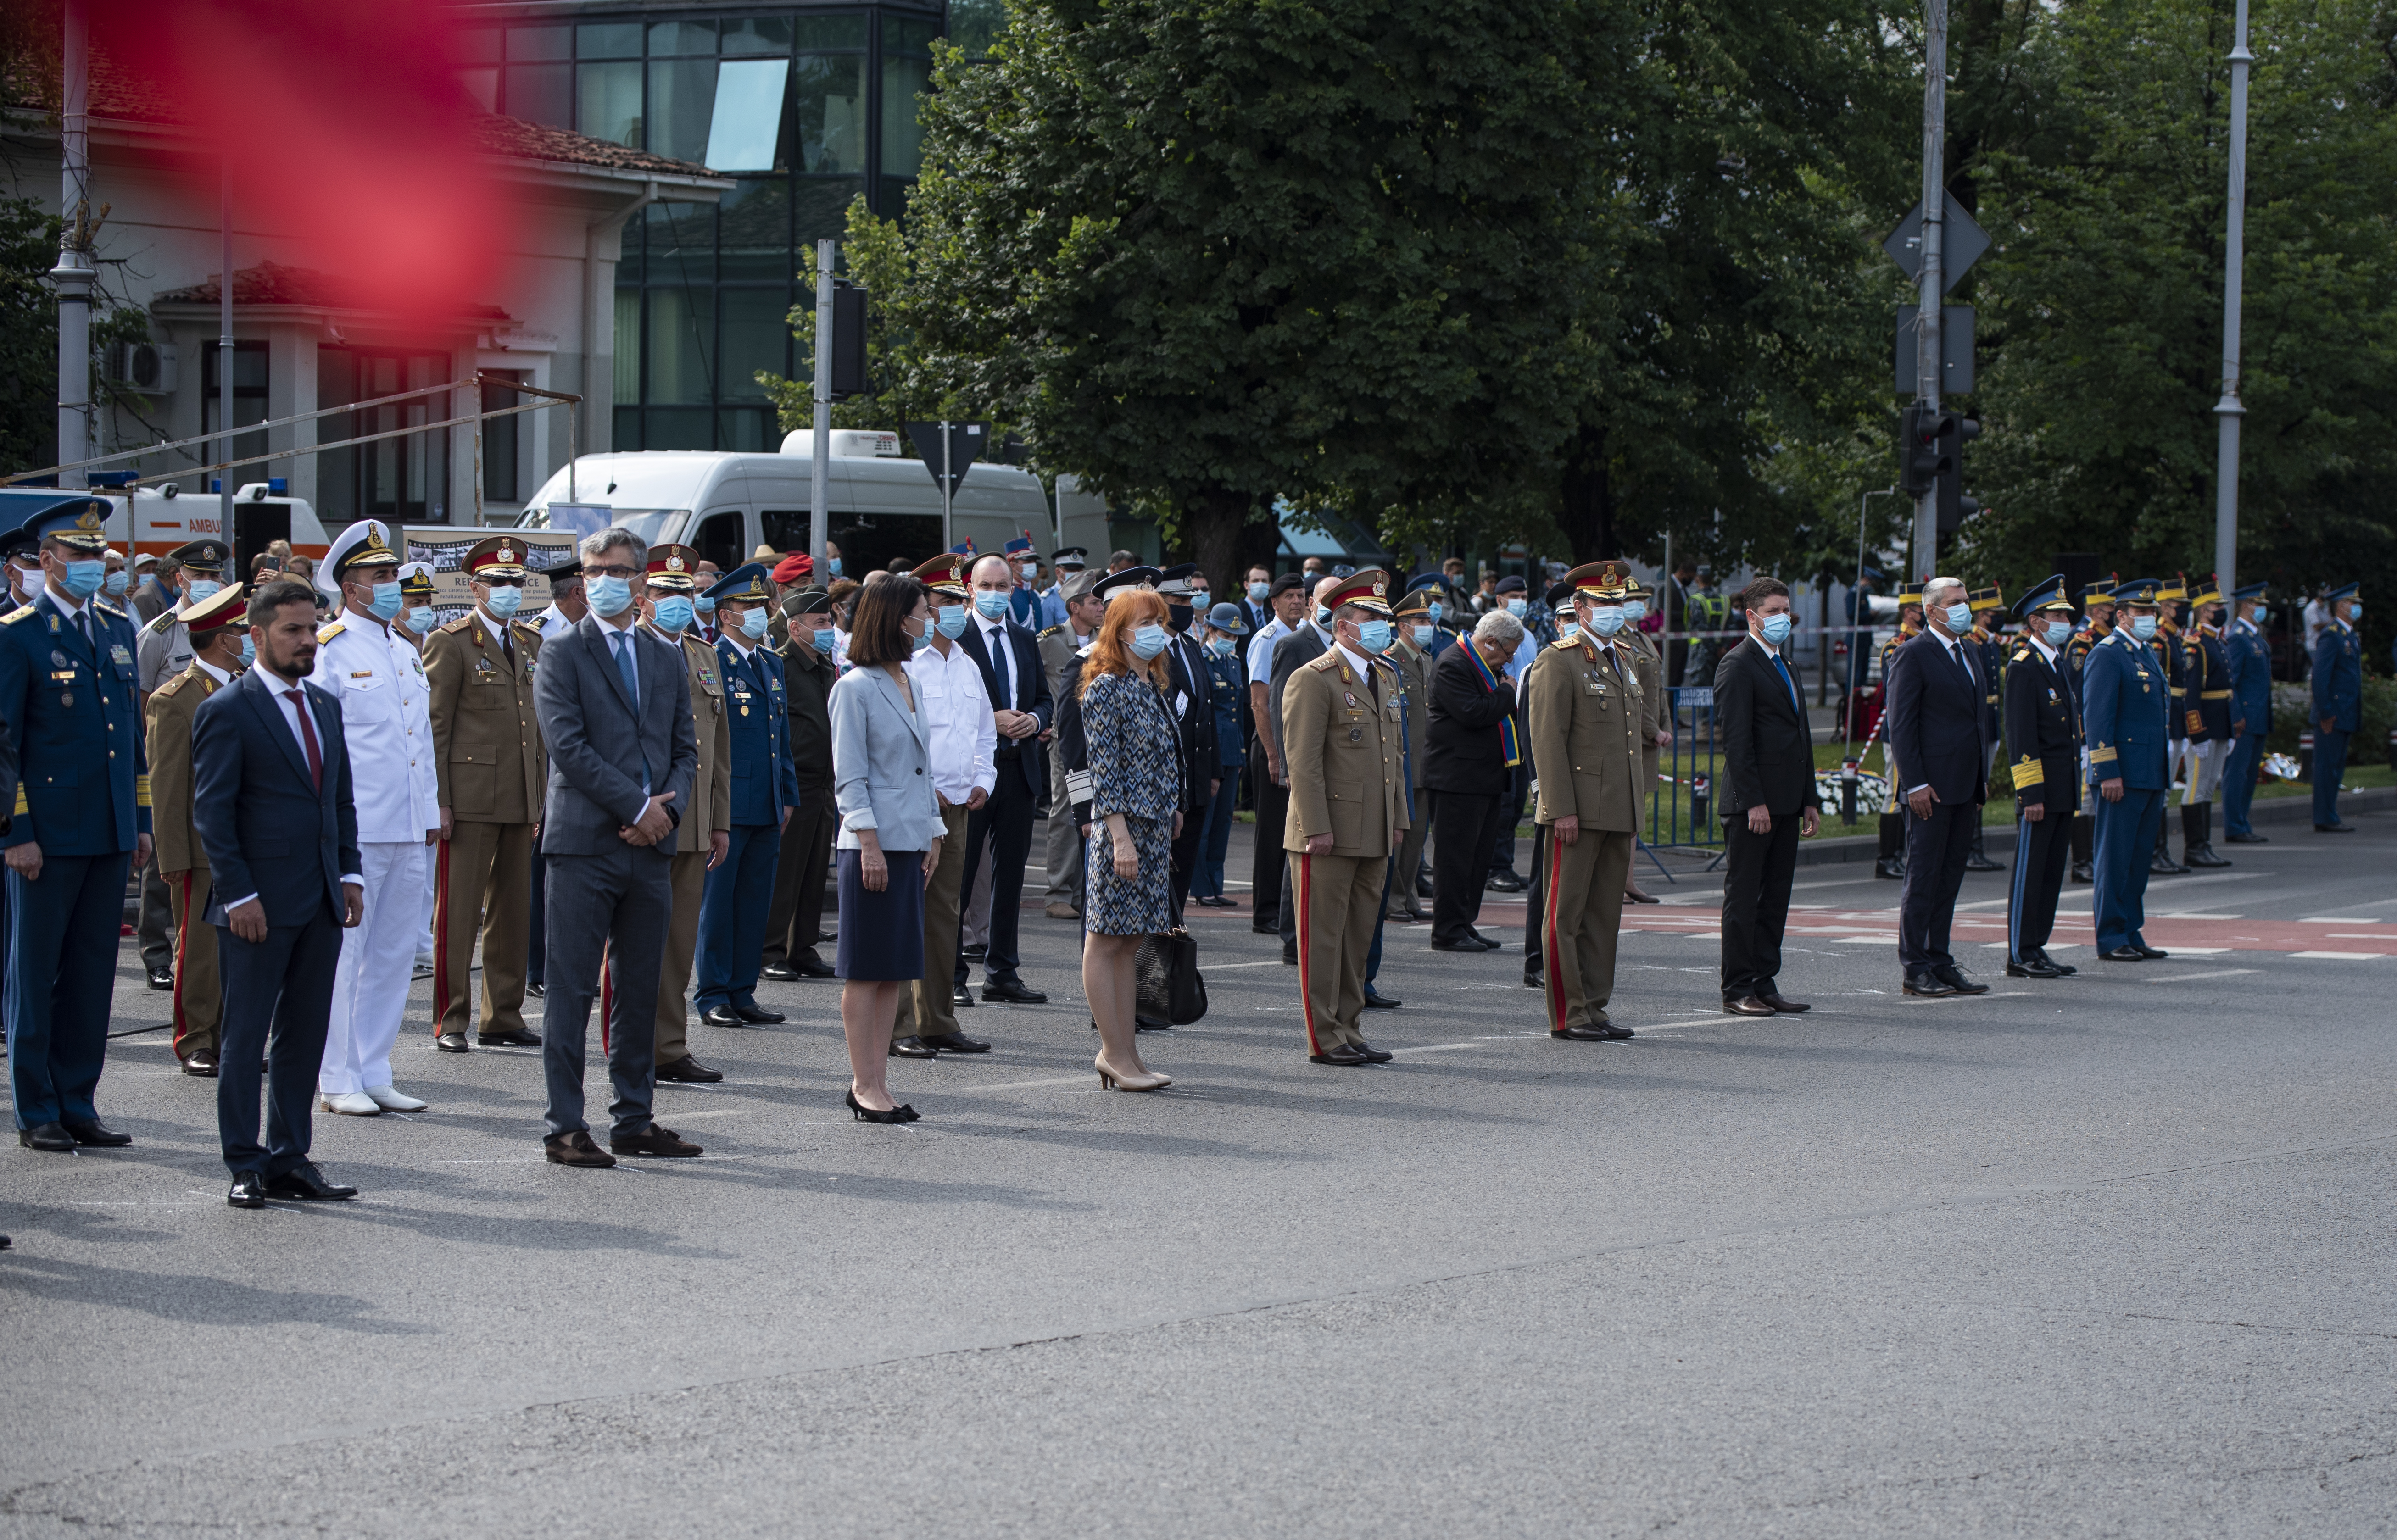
{"x":628,"y":573}
{"x":502,"y":583}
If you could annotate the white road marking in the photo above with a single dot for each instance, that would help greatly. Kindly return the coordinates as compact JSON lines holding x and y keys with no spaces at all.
{"x":2340,"y":957}
{"x":2212,"y":974}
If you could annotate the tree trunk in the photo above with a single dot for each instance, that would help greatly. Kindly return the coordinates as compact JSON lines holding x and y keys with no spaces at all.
{"x":1217,"y":518}
{"x":1588,"y":502}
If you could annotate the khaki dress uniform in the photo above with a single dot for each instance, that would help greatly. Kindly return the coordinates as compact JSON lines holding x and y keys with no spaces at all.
{"x":492,"y":768}
{"x":1413,"y":666}
{"x":1586,"y":715}
{"x":183,"y":863}
{"x":1343,"y":734}
{"x":710,"y":811}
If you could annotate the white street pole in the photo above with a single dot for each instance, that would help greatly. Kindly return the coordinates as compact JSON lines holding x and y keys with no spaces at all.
{"x":1934,"y":288}
{"x":947,"y":537}
{"x":74,"y":274}
{"x":819,"y":471}
{"x":2228,"y":411}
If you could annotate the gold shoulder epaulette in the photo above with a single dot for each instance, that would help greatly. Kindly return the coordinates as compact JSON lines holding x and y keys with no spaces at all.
{"x":526,"y":628}
{"x":1566,"y":641}
{"x":23,"y":613}
{"x":171,"y":685}
{"x":1325,"y":663}
{"x":160,"y":624}
{"x":328,"y":633}
{"x":455,"y":628}
{"x":111,"y":611}
{"x":1053,"y":631}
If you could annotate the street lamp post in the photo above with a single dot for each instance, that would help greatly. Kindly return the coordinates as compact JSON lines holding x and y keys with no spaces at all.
{"x":2227,"y":411}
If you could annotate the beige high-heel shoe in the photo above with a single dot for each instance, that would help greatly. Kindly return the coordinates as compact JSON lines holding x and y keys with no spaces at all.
{"x":1112,"y":1080}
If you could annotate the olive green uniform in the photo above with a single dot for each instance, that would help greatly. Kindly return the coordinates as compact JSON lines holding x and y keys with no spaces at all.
{"x":1585,"y":713}
{"x":183,"y":864}
{"x":1414,"y":665}
{"x":493,"y":773}
{"x":1343,"y":737}
{"x":711,"y":811}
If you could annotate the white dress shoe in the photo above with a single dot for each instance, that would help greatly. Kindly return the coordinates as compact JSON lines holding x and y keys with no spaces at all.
{"x":355,"y":1103}
{"x":393,"y":1100}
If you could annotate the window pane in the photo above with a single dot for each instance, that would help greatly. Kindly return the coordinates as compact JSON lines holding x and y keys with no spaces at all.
{"x":542,"y":93}
{"x":972,"y":24}
{"x":828,"y":112}
{"x":748,"y":114}
{"x":822,"y":210}
{"x":685,"y":429}
{"x":482,"y":87}
{"x":757,"y":333}
{"x":628,"y":347}
{"x":904,"y":82}
{"x":611,"y":104}
{"x":500,"y":439}
{"x":539,"y":42}
{"x":681,"y":341}
{"x":476,"y":45}
{"x":745,"y":430}
{"x":628,"y":429}
{"x":902,"y":35}
{"x":894,"y":197}
{"x":681,"y":243}
{"x":682,"y":37}
{"x":758,"y":34}
{"x":753,"y":231}
{"x":337,"y":470}
{"x":609,"y":40}
{"x":682,"y":102}
{"x":830,"y":31}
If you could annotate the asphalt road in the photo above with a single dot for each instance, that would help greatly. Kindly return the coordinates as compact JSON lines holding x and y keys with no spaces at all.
{"x":2105,"y":1256}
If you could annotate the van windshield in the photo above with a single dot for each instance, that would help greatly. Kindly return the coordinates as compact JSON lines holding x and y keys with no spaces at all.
{"x":586,"y":519}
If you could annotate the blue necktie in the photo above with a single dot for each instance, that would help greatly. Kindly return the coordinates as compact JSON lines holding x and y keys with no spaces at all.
{"x":630,"y":668}
{"x":1781,"y":666}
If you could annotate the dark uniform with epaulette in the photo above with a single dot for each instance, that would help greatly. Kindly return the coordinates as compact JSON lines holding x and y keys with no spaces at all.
{"x":2249,"y":657}
{"x":2205,"y":722}
{"x":741,"y":889}
{"x":77,"y":775}
{"x":1988,"y":605}
{"x":2338,"y":702}
{"x":2164,"y":647}
{"x":671,"y":571}
{"x":2094,"y":629}
{"x":808,"y":674}
{"x":2126,"y":707}
{"x":2042,"y":753}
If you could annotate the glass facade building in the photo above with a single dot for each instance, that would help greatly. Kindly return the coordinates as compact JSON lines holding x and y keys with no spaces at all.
{"x":805,"y":108}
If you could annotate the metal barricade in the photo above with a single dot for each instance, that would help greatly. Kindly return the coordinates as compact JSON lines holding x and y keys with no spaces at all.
{"x":1682,"y":804}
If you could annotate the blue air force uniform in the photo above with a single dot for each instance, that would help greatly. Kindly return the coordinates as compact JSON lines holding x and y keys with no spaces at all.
{"x":76,"y":774}
{"x":2248,"y":659}
{"x":732,"y":911}
{"x":2339,"y":699}
{"x":2042,"y":751}
{"x":2125,"y":718}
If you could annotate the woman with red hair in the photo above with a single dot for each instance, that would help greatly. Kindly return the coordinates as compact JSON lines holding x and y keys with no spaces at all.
{"x":1135,"y":766}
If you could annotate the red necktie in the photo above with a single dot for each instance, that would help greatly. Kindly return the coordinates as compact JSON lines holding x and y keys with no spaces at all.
{"x":308,"y":737}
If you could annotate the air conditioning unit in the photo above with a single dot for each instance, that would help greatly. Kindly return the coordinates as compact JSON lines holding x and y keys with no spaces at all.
{"x":149,"y":368}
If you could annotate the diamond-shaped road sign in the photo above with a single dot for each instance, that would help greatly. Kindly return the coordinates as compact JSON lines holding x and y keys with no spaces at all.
{"x":1961,"y":243}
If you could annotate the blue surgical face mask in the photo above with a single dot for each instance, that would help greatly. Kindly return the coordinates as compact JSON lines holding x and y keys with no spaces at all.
{"x":953,"y":619}
{"x":823,"y":642}
{"x":753,"y":623}
{"x":1424,"y":634}
{"x":1634,"y":612}
{"x":992,"y":604}
{"x":1435,"y":609}
{"x":2143,"y":627}
{"x":675,"y":614}
{"x":248,"y":650}
{"x":1323,"y":616}
{"x":1774,"y":628}
{"x":1259,"y":590}
{"x":202,"y":588}
{"x":2258,"y":619}
{"x":1606,"y":618}
{"x":608,"y":597}
{"x":1375,"y":637}
{"x":1031,"y":570}
{"x":2059,"y":632}
{"x":2354,"y":612}
{"x":705,"y":605}
{"x":503,"y":600}
{"x":1567,"y":628}
{"x":1147,"y":641}
{"x":1220,"y":646}
{"x":83,"y":578}
{"x":114,"y":584}
{"x":1516,"y":607}
{"x":387,"y":600}
{"x":923,"y":639}
{"x":1959,"y":618}
{"x":833,"y":564}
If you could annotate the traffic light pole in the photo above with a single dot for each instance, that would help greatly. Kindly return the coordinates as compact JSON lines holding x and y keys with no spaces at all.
{"x":2227,"y":411}
{"x":1934,"y":288}
{"x":818,"y":469}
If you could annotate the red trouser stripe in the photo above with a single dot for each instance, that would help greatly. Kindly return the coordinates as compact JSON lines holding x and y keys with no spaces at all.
{"x":1549,"y":938}
{"x":183,"y":945}
{"x":1305,"y":995}
{"x":607,"y":995}
{"x":440,"y":935}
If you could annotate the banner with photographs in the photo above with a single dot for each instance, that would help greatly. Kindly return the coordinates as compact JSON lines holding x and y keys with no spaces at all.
{"x":445,"y":547}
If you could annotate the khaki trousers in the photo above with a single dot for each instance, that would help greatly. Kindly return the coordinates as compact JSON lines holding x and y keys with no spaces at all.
{"x":482,"y":882}
{"x":1581,"y":916}
{"x":688,"y":883}
{"x":1402,"y":880}
{"x":199,"y":998}
{"x":929,"y":1009}
{"x":1336,"y":897}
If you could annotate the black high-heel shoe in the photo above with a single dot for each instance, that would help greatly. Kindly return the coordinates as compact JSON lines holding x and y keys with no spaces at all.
{"x":901,"y":1114}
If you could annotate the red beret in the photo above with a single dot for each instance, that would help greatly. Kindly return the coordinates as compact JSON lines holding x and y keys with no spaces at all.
{"x":791,"y":568}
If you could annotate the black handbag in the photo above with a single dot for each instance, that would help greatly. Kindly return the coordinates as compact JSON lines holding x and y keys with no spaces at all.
{"x":1171,"y":991}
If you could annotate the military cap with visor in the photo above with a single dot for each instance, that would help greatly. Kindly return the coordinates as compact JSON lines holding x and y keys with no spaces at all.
{"x":744,"y":584}
{"x":673,"y":568}
{"x":1369,"y":590}
{"x":2048,"y":594}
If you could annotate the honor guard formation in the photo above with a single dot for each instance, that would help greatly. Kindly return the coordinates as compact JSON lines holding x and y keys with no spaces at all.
{"x":636,"y":799}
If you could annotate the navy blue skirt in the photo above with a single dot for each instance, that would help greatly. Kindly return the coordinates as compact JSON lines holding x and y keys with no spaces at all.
{"x":881,"y":934}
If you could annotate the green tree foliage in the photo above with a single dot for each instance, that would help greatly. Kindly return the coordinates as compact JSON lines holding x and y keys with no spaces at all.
{"x":29,"y":336}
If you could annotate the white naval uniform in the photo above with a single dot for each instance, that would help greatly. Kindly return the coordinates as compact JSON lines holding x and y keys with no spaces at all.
{"x":387,"y":723}
{"x":163,"y":649}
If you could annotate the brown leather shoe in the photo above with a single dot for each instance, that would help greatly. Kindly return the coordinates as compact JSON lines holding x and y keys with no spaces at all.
{"x":1748,"y":1005}
{"x":201,"y":1062}
{"x":1631,"y":892}
{"x":1787,"y":1007}
{"x":656,"y":1141}
{"x":575,"y":1149}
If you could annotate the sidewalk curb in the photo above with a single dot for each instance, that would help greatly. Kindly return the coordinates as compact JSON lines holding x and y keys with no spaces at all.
{"x":2278,"y":810}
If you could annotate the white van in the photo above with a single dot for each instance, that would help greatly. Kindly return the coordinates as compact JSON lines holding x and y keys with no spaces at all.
{"x":882,"y":505}
{"x":156,"y":522}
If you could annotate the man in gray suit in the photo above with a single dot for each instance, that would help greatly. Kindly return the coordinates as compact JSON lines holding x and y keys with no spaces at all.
{"x":615,"y":707}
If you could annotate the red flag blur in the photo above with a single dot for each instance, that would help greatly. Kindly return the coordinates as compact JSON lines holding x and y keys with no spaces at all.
{"x":345,"y":131}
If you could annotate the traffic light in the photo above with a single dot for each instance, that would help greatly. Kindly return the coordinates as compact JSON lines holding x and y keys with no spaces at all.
{"x":1954,"y":506}
{"x":1922,"y":457}
{"x":847,"y":339}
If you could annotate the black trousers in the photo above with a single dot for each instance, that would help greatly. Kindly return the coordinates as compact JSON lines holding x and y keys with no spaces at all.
{"x":1535,"y":897}
{"x":796,"y":916}
{"x":536,"y":936}
{"x":1269,"y":867}
{"x":1183,"y":854}
{"x":1501,"y":844}
{"x":1004,"y":823}
{"x":1756,"y":872}
{"x":2041,"y":851}
{"x":1935,"y":850}
{"x":278,"y":1001}
{"x":1465,"y":835}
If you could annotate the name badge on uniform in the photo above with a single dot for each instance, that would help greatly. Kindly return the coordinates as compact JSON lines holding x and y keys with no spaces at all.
{"x":362,"y":673}
{"x":122,"y":657}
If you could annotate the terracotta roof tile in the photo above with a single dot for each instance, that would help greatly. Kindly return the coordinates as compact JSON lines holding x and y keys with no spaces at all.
{"x":270,"y":283}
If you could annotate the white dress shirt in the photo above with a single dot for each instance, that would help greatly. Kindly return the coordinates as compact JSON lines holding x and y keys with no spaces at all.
{"x":957,"y":726}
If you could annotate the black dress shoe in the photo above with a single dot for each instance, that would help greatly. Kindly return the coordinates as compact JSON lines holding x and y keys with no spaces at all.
{"x":2063,"y":970}
{"x":95,"y":1133}
{"x":248,"y":1191}
{"x":453,"y":1042}
{"x":811,"y":968}
{"x":1504,"y":883}
{"x":1891,"y":868}
{"x":1976,"y":862}
{"x":1929,"y":985}
{"x":1954,"y":978}
{"x":576,"y":1150}
{"x":781,"y":972}
{"x":2081,"y":872}
{"x":162,"y":978}
{"x":689,"y":1071}
{"x":514,"y":1036}
{"x":1485,"y":941}
{"x":1781,"y":1003}
{"x":2334,"y":828}
{"x":1632,"y":894}
{"x":1266,"y":925}
{"x":1340,"y":1054}
{"x":978,"y":951}
{"x":2125,"y":953}
{"x":307,"y":1184}
{"x":2035,"y":967}
{"x":1535,"y":981}
{"x":1290,"y":952}
{"x":1374,"y":1056}
{"x":1582,"y":1034}
{"x":1377,"y":1000}
{"x":47,"y":1136}
{"x":202,"y":1064}
{"x":911,"y":1047}
{"x":758,"y":1015}
{"x":1012,"y":992}
{"x":537,"y":989}
{"x":2150,"y":953}
{"x":1469,"y":943}
{"x":1748,"y":1005}
{"x":2248,"y":838}
{"x":959,"y":995}
{"x":655,"y":1141}
{"x":954,"y":1042}
{"x":723,"y":1015}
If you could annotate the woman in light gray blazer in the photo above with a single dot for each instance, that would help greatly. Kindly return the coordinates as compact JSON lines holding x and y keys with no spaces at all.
{"x":890,"y":840}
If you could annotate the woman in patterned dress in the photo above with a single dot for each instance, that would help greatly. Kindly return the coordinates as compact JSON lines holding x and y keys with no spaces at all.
{"x":1136,"y":769}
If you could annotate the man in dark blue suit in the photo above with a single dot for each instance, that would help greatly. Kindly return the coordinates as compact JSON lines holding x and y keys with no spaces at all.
{"x":271,"y":803}
{"x":765,"y":790}
{"x":2126,"y":722}
{"x":2339,"y":705}
{"x":72,"y":766}
{"x":2251,"y":712}
{"x":1938,"y":735}
{"x":1022,"y":708}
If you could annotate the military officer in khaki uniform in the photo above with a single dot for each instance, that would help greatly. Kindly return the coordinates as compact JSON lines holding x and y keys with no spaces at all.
{"x":1658,"y":731}
{"x":1413,"y":661}
{"x":705,"y":836}
{"x":1586,"y":717}
{"x":218,"y":626}
{"x":1344,"y":739}
{"x":493,"y":774}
